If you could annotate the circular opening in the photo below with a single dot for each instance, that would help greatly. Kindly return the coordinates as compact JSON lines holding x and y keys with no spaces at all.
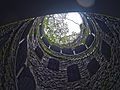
{"x":62,"y":29}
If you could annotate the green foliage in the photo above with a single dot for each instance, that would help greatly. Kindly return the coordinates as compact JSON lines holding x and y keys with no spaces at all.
{"x":45,"y":22}
{"x":56,"y":30}
{"x":83,"y":40}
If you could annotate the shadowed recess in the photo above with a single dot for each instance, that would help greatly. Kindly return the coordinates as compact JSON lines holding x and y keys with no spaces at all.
{"x":39,"y":52}
{"x":21,"y":57}
{"x":68,"y":51}
{"x":41,"y":31}
{"x":93,"y":66}
{"x":26,"y":80}
{"x":73,"y":73}
{"x":89,"y":40}
{"x":25,"y":83}
{"x":45,"y":41}
{"x":53,"y":64}
{"x":106,"y":50}
{"x":80,"y":49}
{"x":55,"y":48}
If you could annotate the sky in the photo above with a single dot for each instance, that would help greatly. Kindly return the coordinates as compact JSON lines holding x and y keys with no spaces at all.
{"x":73,"y":27}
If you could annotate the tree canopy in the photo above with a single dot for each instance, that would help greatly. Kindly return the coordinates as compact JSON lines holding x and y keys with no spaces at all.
{"x":57,"y":30}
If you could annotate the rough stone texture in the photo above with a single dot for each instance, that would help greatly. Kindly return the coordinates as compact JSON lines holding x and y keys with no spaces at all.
{"x":104,"y":51}
{"x":97,"y":71}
